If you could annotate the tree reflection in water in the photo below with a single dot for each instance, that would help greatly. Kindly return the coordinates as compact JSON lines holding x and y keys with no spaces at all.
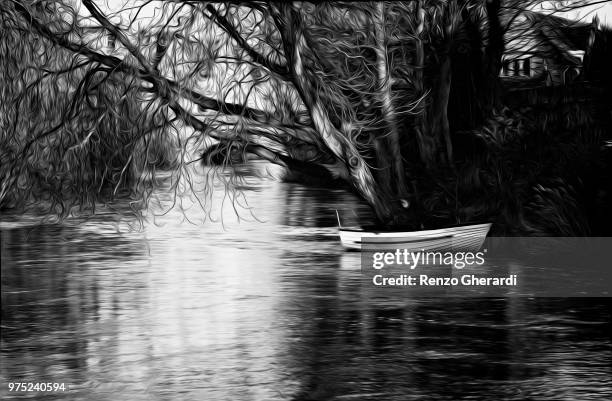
{"x":271,"y":309}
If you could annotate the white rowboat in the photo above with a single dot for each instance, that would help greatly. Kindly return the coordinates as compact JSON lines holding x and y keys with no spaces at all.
{"x":466,"y":237}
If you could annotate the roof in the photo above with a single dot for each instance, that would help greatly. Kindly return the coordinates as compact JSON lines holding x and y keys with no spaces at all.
{"x":550,"y":36}
{"x":573,"y":34}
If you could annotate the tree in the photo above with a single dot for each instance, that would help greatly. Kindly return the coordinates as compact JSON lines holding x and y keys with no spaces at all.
{"x":350,"y":91}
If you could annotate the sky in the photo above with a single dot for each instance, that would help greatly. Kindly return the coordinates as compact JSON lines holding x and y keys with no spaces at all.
{"x":603,"y":9}
{"x":121,"y":11}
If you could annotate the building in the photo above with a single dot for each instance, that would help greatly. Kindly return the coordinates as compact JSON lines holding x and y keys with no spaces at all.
{"x":545,"y":50}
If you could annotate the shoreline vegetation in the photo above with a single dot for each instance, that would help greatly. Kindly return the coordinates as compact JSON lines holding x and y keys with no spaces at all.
{"x":406,"y":108}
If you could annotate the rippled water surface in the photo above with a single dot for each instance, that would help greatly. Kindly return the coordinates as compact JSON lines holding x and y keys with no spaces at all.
{"x":268,"y":308}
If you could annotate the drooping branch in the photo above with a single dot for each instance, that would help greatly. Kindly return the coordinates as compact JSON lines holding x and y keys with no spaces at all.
{"x":152,"y":77}
{"x":280,"y":70}
{"x":274,"y":148}
{"x":309,"y":168}
{"x":259,"y":124}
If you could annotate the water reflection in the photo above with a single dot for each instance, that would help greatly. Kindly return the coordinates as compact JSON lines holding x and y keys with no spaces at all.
{"x":270,"y":309}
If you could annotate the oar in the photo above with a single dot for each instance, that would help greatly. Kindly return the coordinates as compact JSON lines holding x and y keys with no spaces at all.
{"x":338,"y":216}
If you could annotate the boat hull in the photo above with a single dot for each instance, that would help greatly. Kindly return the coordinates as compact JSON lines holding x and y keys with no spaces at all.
{"x":468,"y":238}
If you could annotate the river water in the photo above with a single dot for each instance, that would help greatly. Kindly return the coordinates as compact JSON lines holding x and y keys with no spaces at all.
{"x":267,"y":308}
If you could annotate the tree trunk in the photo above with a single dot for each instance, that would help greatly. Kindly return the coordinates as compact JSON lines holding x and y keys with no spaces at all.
{"x":439,"y":124}
{"x":360,"y":175}
{"x":493,"y":56}
{"x":426,"y":144}
{"x":468,"y":74}
{"x":392,"y":138}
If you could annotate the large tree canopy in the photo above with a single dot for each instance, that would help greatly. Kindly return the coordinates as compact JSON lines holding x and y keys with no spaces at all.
{"x":93,"y":96}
